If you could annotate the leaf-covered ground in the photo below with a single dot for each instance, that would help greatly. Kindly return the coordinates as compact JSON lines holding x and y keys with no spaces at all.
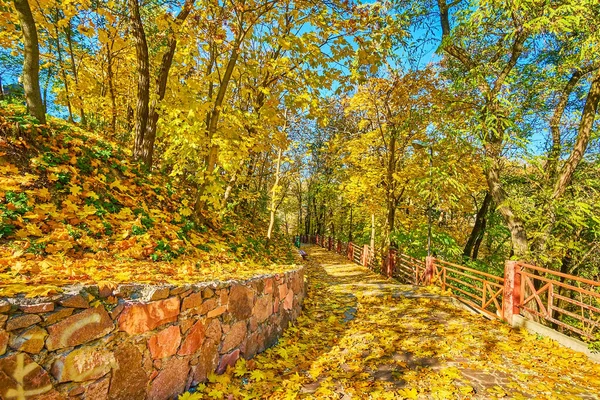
{"x":74,"y":209}
{"x":362,"y":336}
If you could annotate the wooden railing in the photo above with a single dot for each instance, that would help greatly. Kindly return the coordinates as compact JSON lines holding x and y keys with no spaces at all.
{"x":479,"y":289}
{"x":566,"y":302}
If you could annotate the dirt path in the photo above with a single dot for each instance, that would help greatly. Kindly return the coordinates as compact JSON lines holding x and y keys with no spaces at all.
{"x":363,"y":336}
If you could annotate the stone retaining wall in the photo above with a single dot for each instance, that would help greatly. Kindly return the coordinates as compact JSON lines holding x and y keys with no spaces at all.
{"x":137,"y":341}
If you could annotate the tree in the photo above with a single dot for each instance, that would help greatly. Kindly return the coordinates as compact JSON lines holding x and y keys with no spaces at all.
{"x":143,"y":79}
{"x":31,"y":61}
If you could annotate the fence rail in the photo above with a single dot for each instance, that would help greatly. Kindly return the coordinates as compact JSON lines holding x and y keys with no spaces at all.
{"x":566,"y":302}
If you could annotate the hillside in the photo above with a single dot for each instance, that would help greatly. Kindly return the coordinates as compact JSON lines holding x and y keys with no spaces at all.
{"x":74,"y":209}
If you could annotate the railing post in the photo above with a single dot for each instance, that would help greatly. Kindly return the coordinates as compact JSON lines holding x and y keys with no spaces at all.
{"x":511,"y":298}
{"x":391,"y":263}
{"x":365,"y":255}
{"x":428,"y":270}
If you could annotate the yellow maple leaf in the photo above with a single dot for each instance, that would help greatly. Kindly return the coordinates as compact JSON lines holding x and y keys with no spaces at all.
{"x":75,"y":190}
{"x":43,"y":194}
{"x":88,"y":209}
{"x":22,"y":233}
{"x":69,"y":207}
{"x":410,"y":394}
{"x":34,"y":230}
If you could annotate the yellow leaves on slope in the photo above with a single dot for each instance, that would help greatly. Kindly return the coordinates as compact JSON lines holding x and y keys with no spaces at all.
{"x":81,"y":213}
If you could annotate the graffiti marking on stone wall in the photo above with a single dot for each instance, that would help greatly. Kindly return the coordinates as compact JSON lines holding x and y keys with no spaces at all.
{"x":21,"y":371}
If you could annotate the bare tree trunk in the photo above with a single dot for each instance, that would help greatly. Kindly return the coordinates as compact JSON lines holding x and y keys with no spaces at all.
{"x":31,"y":61}
{"x":273,"y":194}
{"x":143,"y":88}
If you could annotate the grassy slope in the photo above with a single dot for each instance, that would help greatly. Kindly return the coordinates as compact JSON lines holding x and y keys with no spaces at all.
{"x":74,"y":209}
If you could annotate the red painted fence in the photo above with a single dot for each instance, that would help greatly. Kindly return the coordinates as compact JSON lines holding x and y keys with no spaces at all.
{"x":566,"y":302}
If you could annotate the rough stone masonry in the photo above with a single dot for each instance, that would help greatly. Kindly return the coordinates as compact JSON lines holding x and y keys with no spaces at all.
{"x":141,"y":342}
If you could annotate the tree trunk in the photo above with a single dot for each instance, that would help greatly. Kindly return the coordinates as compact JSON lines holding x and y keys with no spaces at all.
{"x":350,"y":228}
{"x":161,"y":87}
{"x":31,"y":61}
{"x":515,"y":225}
{"x":273,"y":194}
{"x":111,"y":89}
{"x":472,"y":246}
{"x":75,"y":74}
{"x":586,"y":123}
{"x":212,"y":121}
{"x":62,"y":67}
{"x":373,"y":231}
{"x":143,"y":87}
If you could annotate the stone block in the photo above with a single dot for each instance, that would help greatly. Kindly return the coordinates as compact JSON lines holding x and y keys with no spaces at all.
{"x":3,"y":342}
{"x":114,"y":314}
{"x":207,"y":306}
{"x":159,"y":293}
{"x":31,"y":341}
{"x":288,"y":302}
{"x":4,"y":306}
{"x":76,"y":301}
{"x":171,"y":381}
{"x":263,"y":308}
{"x":18,"y":372}
{"x":216,"y":312}
{"x":138,"y":318}
{"x":268,"y":286}
{"x":214,"y":330}
{"x":165,"y":343}
{"x":223,"y":296}
{"x":297,"y":282}
{"x":207,"y":361}
{"x":37,"y":308}
{"x":194,"y":300}
{"x":97,"y":390}
{"x":228,"y":360}
{"x":194,"y":339}
{"x":83,"y":364}
{"x":129,"y":379}
{"x":90,"y":324}
{"x":283,"y":291}
{"x":234,"y":337}
{"x":22,"y":321}
{"x":57,"y":316}
{"x":241,"y":301}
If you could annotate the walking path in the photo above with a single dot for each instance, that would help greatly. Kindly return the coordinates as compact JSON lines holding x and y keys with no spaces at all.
{"x":362,"y":336}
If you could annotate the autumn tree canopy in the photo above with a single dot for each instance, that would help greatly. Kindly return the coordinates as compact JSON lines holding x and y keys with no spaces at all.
{"x":357,"y":120}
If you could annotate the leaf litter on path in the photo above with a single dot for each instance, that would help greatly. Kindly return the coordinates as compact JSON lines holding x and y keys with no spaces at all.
{"x":402,"y":342}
